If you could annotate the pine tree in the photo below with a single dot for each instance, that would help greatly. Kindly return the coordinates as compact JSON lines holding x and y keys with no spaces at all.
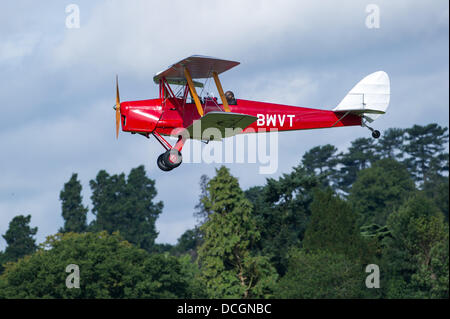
{"x":390,"y":145}
{"x":425,"y":146}
{"x":360,"y":155}
{"x":201,"y":213}
{"x":19,"y":238}
{"x":73,"y":211}
{"x":320,"y":159}
{"x":126,"y":205}
{"x":228,"y":267}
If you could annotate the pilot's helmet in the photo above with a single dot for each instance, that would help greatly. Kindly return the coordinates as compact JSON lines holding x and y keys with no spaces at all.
{"x":229,"y":95}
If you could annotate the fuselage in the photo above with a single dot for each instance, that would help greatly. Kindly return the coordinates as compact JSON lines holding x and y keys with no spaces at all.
{"x":166,"y":115}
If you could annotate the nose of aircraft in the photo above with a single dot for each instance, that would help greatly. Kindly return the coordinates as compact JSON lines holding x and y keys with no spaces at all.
{"x":117,"y":108}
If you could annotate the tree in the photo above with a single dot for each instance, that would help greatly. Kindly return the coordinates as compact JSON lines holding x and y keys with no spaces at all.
{"x":191,"y":271}
{"x":188,"y":243}
{"x":375,"y":234}
{"x":436,"y":188}
{"x":425,"y":146}
{"x":321,"y":274}
{"x":201,"y":213}
{"x":333,"y":227}
{"x":228,"y":267}
{"x":109,"y":268}
{"x":73,"y":211}
{"x":360,"y":155}
{"x":281,"y":210}
{"x":19,"y":239}
{"x":322,"y":161}
{"x":126,"y":205}
{"x":390,"y":145}
{"x":417,"y":251}
{"x":379,"y":189}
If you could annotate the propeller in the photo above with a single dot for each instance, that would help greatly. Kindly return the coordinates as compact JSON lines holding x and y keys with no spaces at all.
{"x":117,"y":107}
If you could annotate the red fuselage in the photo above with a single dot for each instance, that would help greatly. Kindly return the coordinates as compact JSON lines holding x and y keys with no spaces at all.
{"x":165,"y":115}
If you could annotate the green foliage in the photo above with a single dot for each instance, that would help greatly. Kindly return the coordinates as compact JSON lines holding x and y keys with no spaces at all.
{"x":333,"y":227}
{"x":188,"y":243}
{"x":375,"y":235}
{"x":229,"y":270}
{"x":109,"y":268}
{"x":162,"y":248}
{"x":417,"y":253}
{"x":201,"y":213}
{"x":437,"y":189}
{"x":126,"y":205}
{"x":2,"y":261}
{"x":196,"y":288}
{"x":19,"y":239}
{"x":322,"y":161}
{"x":390,"y":145}
{"x":360,"y":155}
{"x":375,"y":231}
{"x":321,"y":274}
{"x":281,"y":210}
{"x":379,"y":189}
{"x":73,"y":211}
{"x":425,"y":146}
{"x":308,"y":234}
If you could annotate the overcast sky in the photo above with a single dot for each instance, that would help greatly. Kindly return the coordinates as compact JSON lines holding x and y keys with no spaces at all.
{"x":57,"y":85}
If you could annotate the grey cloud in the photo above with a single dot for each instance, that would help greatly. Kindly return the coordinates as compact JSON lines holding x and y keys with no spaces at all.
{"x":57,"y":85}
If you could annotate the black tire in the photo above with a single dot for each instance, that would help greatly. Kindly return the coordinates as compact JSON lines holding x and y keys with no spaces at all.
{"x":376,"y":134}
{"x":162,"y":166}
{"x":172,"y":158}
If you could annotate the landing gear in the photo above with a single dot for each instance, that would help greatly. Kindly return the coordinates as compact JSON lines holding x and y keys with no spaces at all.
{"x":172,"y":157}
{"x":169,"y":160}
{"x":375,"y":133}
{"x":162,"y":166}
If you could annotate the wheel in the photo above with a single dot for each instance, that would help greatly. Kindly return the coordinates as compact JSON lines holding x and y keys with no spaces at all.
{"x":172,"y":158}
{"x":376,"y":134}
{"x":161,"y":163}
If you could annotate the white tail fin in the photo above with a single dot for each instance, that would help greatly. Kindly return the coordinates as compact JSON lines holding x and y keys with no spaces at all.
{"x":370,"y":97}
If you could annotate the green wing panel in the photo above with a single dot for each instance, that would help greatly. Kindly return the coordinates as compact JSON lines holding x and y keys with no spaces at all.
{"x":227,"y":123}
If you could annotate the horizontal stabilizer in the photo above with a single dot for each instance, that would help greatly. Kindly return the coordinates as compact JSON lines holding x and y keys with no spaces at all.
{"x":218,"y":125}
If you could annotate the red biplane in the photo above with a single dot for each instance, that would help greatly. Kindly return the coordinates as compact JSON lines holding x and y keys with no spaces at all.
{"x":178,"y":114}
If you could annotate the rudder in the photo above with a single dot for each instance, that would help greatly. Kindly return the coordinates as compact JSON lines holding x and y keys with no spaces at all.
{"x":369,"y":98}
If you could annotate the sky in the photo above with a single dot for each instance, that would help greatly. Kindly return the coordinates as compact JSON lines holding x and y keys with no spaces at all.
{"x":57,"y":85}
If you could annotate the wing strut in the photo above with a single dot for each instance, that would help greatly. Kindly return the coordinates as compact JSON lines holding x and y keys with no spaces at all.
{"x":193,"y":91}
{"x":219,"y":88}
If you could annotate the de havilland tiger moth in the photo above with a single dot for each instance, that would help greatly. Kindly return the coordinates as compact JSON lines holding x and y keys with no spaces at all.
{"x":178,"y":115}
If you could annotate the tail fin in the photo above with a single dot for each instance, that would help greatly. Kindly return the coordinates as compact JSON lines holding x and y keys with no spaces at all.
{"x":369,"y":98}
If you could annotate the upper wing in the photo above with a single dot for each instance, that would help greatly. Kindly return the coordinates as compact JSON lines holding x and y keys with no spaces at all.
{"x":199,"y":67}
{"x":227,"y":123}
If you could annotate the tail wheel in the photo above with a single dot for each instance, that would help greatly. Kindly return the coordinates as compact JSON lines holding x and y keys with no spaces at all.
{"x":161,"y":164}
{"x":172,"y":158}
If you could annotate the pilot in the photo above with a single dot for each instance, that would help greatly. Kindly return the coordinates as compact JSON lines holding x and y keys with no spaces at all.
{"x":230,"y":98}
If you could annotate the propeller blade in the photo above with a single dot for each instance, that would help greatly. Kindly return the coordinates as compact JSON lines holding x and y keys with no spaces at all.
{"x":117,"y":108}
